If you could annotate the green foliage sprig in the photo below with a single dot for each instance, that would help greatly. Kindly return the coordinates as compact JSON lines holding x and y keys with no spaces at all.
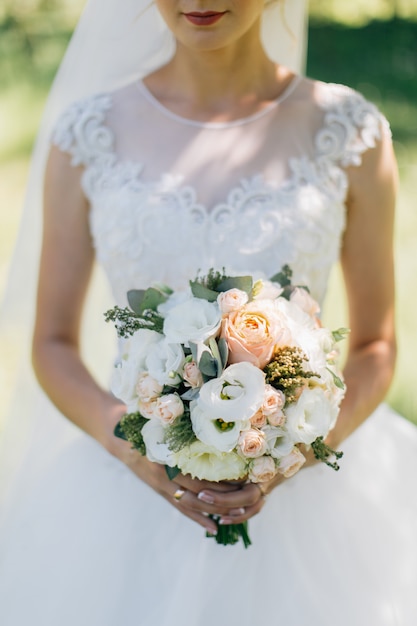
{"x":130,"y":429}
{"x":180,"y":434}
{"x":323,"y":453}
{"x":286,"y":372}
{"x":127,"y":322}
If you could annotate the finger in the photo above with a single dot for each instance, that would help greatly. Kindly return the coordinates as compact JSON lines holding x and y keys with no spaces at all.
{"x":181,"y":499}
{"x":245,"y":497}
{"x":244,"y":515}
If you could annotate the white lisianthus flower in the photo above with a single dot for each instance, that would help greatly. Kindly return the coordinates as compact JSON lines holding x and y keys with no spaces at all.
{"x":126,"y":373}
{"x":165,"y":362}
{"x":157,"y":450}
{"x":176,"y":298}
{"x":206,"y":463}
{"x":147,"y":388}
{"x":195,"y":321}
{"x":305,"y":301}
{"x":214,"y":432}
{"x":234,"y":396}
{"x":168,"y":407}
{"x":279,"y":441}
{"x":310,"y":417}
{"x":266,"y":290}
{"x":231,"y":300}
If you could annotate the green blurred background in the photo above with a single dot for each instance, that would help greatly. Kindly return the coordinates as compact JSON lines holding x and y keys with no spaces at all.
{"x":370,"y":45}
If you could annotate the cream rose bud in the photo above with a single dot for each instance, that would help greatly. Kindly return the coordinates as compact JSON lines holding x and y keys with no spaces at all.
{"x":192,"y":375}
{"x":195,"y":321}
{"x":231,"y":300}
{"x":273,"y":404}
{"x":147,"y":387}
{"x":262,"y":469}
{"x":258,"y":419}
{"x":302,"y":298}
{"x":168,"y":407}
{"x":252,"y":443}
{"x":290,"y":464}
{"x":146,"y":409}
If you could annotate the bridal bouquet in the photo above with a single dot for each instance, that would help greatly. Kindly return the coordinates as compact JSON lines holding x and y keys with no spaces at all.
{"x":226,"y":380}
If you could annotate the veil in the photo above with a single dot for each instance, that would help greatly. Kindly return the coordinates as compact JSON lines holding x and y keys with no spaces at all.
{"x":113,"y":44}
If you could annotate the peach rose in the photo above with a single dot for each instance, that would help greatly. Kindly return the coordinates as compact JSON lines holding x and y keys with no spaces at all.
{"x":192,"y":375}
{"x":252,"y":443}
{"x":258,"y":420}
{"x":146,"y":409}
{"x":252,"y":332}
{"x":302,"y":298}
{"x":273,"y":405}
{"x":290,"y":464}
{"x":262,"y":469}
{"x":167,"y":408}
{"x":231,"y":300}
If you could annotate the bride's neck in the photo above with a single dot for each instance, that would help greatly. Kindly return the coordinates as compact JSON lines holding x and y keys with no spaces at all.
{"x":235,"y":79}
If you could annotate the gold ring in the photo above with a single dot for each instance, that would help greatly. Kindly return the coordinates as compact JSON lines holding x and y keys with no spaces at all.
{"x":178,"y":494}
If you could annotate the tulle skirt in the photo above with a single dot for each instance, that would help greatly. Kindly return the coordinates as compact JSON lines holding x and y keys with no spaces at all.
{"x":85,"y":543}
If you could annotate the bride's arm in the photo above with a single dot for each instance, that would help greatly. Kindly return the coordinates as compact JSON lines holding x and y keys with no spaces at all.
{"x":367,"y":262}
{"x":65,"y":270}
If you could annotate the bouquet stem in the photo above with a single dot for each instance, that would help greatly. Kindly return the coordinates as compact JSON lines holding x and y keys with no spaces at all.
{"x":228,"y":535}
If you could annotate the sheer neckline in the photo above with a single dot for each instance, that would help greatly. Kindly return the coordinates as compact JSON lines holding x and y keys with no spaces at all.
{"x":219,"y":125}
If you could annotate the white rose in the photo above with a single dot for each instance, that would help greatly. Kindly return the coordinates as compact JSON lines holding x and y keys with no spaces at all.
{"x":252,"y":443}
{"x":262,"y":469}
{"x":165,"y":362}
{"x":310,"y":417}
{"x":195,"y":320}
{"x":146,"y":409}
{"x":168,"y":407}
{"x":231,"y":300}
{"x":216,"y":432}
{"x":236,"y":395}
{"x":206,"y":463}
{"x":147,"y":388}
{"x":157,"y":450}
{"x":291,"y":463}
{"x":192,"y":375}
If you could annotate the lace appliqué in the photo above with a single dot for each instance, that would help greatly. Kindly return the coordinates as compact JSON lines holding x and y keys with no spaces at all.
{"x":352,"y":125}
{"x":81,"y":130}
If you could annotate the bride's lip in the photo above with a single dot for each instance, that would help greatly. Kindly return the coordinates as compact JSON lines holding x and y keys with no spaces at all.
{"x":204,"y":18}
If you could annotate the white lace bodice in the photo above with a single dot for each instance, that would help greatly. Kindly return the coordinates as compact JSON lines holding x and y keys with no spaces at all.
{"x":170,"y":196}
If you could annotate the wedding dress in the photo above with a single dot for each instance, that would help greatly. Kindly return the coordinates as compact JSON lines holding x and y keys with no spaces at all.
{"x":90,"y":544}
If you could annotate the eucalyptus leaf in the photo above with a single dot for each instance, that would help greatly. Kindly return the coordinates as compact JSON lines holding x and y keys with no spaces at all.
{"x":172,"y":472}
{"x":283,"y":277}
{"x":208,"y":365}
{"x":340,"y":334}
{"x":244,"y":283}
{"x":200,"y":291}
{"x":135,"y":299}
{"x":224,"y":351}
{"x":191,"y":394}
{"x":152,"y":299}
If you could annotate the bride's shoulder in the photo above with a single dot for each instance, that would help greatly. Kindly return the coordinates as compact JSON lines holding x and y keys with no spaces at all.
{"x":88,"y":125}
{"x":345,"y":119}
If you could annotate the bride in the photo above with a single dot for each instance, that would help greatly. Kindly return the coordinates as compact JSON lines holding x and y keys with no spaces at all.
{"x":179,"y":157}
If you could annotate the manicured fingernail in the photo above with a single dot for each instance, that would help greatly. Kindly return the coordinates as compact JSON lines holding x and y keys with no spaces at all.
{"x":225,"y":520}
{"x":240,"y":511}
{"x":205,"y":497}
{"x":211,"y":531}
